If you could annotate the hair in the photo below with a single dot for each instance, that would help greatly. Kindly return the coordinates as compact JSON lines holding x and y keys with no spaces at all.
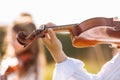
{"x":27,"y":26}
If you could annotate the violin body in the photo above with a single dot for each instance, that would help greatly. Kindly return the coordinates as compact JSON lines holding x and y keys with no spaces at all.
{"x":93,"y":31}
{"x":96,"y":31}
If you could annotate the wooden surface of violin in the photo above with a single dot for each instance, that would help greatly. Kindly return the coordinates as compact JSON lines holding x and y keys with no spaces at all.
{"x":11,"y":69}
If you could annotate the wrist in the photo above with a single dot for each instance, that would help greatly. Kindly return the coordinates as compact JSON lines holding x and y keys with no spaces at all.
{"x":59,"y":56}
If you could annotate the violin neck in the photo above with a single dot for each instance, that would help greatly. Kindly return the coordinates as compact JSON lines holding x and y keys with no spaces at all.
{"x":63,"y":28}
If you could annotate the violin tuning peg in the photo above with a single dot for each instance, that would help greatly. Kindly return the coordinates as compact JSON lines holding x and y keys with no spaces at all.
{"x":42,"y":27}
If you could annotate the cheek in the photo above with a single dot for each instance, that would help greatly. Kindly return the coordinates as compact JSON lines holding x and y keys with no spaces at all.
{"x":19,"y":46}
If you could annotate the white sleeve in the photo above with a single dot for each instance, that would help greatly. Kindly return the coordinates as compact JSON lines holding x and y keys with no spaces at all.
{"x":71,"y":69}
{"x":111,"y":70}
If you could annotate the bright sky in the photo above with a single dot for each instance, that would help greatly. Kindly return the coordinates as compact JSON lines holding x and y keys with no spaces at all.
{"x":58,"y":11}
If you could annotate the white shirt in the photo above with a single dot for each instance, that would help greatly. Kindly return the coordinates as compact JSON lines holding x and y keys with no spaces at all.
{"x":73,"y":69}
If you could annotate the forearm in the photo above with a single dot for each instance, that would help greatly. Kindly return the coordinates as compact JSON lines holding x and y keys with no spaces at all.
{"x":59,"y":56}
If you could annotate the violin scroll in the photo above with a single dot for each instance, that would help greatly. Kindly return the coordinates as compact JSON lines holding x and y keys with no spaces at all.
{"x":21,"y":37}
{"x":26,"y":39}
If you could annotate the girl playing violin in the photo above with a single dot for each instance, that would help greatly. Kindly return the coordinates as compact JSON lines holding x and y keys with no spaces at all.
{"x":72,"y":69}
{"x":25,"y":61}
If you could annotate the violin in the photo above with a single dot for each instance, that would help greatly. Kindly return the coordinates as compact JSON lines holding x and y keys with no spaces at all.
{"x":7,"y":69}
{"x":93,"y":31}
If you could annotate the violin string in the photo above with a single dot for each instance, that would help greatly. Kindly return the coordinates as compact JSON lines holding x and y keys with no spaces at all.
{"x":62,"y":26}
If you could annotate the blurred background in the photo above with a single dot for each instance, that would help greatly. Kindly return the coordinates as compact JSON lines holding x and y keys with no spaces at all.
{"x":62,"y":12}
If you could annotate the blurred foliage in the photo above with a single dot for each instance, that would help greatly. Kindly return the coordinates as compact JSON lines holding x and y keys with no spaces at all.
{"x":49,"y":71}
{"x":2,"y":37}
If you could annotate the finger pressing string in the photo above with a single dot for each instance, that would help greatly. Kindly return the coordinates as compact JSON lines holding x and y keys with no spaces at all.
{"x":51,"y":34}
